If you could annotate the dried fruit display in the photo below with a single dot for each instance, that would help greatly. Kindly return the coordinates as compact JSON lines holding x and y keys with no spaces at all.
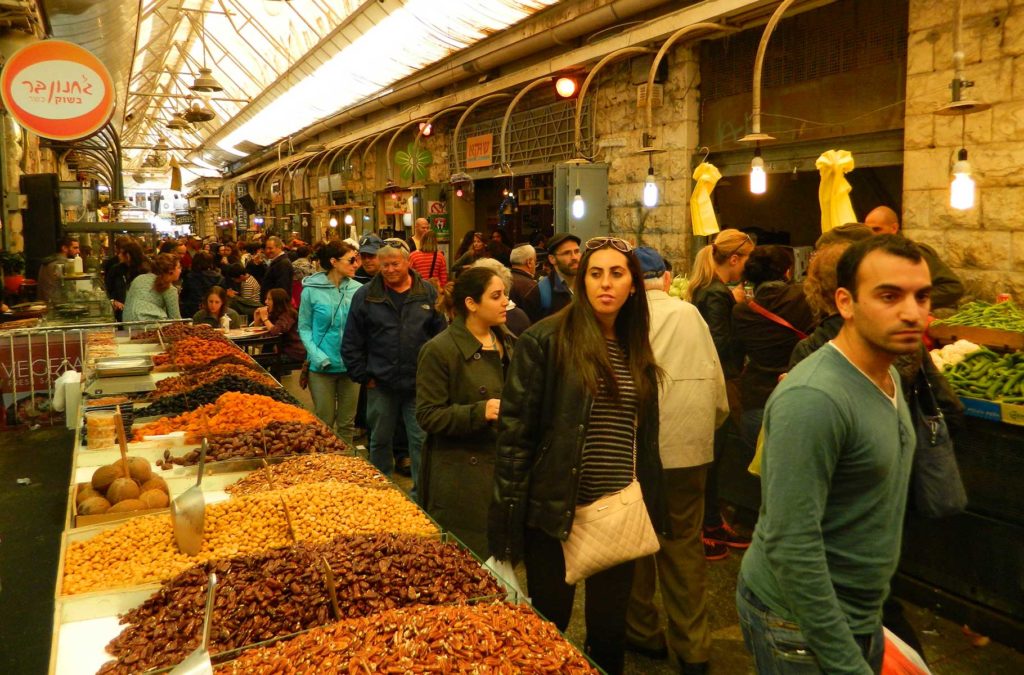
{"x":491,"y":638}
{"x":281,"y":592}
{"x":179,"y":331}
{"x":183,"y":383}
{"x":310,"y":469}
{"x":198,"y":351}
{"x":174,"y":404}
{"x":232,"y":412}
{"x":277,"y":439}
{"x":142,"y":550}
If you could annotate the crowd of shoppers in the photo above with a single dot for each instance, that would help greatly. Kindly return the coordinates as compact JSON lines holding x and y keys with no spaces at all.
{"x":524,"y":396}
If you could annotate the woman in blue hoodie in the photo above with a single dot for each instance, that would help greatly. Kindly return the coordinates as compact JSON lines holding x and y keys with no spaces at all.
{"x":323,"y":312}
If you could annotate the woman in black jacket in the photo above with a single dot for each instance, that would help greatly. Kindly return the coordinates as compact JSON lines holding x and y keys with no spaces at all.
{"x":582,"y":389}
{"x":459,"y":377}
{"x":716,"y":265}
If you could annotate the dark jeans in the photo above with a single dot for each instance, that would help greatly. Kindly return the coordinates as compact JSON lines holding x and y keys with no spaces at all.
{"x":712,"y":507}
{"x":778,"y":646}
{"x":607,"y":594}
{"x":383,"y":408}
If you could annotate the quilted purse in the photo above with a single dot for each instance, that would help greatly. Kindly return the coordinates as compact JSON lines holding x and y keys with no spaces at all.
{"x":612,"y":530}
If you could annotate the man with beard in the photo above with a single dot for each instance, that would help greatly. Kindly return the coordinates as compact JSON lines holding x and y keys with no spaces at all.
{"x":554,"y":291}
{"x":839,"y":444}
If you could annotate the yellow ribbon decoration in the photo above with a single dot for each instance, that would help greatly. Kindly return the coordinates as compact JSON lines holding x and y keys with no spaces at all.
{"x":702,"y":211}
{"x":834,"y":190}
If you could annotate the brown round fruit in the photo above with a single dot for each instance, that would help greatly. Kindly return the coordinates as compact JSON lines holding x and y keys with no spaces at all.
{"x":93,"y":506}
{"x":155,"y":483}
{"x":104,"y":476}
{"x":122,"y":489}
{"x":85,"y":491}
{"x":154,"y":499}
{"x":139,"y":469}
{"x":127,"y":505}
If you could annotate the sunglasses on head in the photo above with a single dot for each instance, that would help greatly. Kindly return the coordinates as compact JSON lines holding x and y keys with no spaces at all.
{"x":746,"y":240}
{"x":396,"y":243}
{"x":620,"y":245}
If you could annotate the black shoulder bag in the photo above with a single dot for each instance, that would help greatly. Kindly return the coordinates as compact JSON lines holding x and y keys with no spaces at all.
{"x":936,"y":487}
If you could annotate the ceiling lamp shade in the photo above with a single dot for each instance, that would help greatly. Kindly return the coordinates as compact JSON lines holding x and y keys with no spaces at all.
{"x":178,"y":123}
{"x":198,"y":112}
{"x":205,"y":83}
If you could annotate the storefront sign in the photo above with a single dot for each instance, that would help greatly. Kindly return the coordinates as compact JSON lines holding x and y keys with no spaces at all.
{"x":479,"y":151}
{"x":57,"y":90}
{"x":29,"y":365}
{"x":183,"y":218}
{"x":241,"y":214}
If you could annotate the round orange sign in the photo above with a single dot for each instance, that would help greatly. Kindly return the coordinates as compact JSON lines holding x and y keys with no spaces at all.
{"x":57,"y":90}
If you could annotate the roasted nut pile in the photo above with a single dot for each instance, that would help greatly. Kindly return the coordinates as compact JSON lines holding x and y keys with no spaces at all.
{"x":284,"y":591}
{"x":174,"y":404}
{"x":492,"y":638}
{"x":231,"y":413}
{"x":180,"y":331}
{"x":184,"y":383}
{"x":142,"y":550}
{"x":310,"y":469}
{"x":280,"y":439}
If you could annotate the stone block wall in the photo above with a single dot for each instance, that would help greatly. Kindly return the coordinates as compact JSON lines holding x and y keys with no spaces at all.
{"x":984,"y":245}
{"x":619,"y":127}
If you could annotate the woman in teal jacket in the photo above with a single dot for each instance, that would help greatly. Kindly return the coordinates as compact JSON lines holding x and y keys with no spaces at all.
{"x":323,"y":312}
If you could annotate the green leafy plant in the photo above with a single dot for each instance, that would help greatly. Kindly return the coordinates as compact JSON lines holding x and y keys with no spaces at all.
{"x":12,"y":262}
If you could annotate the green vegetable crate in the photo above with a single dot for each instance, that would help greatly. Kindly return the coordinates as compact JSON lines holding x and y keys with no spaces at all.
{"x":990,"y":337}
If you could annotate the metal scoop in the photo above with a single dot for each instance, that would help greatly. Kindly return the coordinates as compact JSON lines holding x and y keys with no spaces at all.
{"x":198,"y":662}
{"x":188,"y":512}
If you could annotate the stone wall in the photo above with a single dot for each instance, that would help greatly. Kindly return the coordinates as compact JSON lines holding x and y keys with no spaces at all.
{"x":619,"y":128}
{"x":985,"y":245}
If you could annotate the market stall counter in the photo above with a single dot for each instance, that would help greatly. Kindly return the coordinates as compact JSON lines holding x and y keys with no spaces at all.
{"x":288,"y":507}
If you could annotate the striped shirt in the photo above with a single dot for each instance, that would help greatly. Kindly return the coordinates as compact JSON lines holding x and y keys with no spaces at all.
{"x":608,"y":448}
{"x":250,"y":289}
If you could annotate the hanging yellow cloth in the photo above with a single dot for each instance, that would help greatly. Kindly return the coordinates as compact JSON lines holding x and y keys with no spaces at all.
{"x":702,"y":211}
{"x":175,"y":175}
{"x":834,"y":191}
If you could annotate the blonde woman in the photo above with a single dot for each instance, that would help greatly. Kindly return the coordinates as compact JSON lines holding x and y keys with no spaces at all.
{"x":717,"y":264}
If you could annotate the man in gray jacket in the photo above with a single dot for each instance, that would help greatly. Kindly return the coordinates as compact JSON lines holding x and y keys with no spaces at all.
{"x":692,"y":405}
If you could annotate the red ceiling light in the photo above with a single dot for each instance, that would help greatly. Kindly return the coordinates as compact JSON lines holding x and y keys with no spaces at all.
{"x":425,"y":128}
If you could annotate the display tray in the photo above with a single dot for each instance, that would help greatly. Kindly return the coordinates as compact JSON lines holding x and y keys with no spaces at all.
{"x":84,"y":624}
{"x":990,"y":337}
{"x":119,"y":366}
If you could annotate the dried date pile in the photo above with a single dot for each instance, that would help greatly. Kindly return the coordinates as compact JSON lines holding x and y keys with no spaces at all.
{"x":284,"y":591}
{"x":310,"y":469}
{"x":180,"y":331}
{"x":175,"y":404}
{"x":491,"y":638}
{"x":279,"y":438}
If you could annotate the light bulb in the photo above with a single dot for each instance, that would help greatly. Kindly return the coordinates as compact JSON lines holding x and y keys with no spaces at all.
{"x":349,"y":219}
{"x":578,"y":207}
{"x":650,"y":190}
{"x":961,"y":190}
{"x":333,"y":222}
{"x":459,"y":192}
{"x":758,"y":178}
{"x":565,"y":86}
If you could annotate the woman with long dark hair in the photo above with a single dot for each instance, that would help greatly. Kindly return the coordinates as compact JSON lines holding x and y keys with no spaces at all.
{"x":280,"y":318}
{"x":475,"y":248}
{"x":152,"y":295}
{"x":131,"y":262}
{"x":459,"y":378}
{"x":198,"y":281}
{"x":323,"y":314}
{"x":579,"y":420}
{"x":215,"y":308}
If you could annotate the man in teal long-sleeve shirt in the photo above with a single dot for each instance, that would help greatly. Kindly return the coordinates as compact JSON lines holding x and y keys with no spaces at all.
{"x":839,"y":443}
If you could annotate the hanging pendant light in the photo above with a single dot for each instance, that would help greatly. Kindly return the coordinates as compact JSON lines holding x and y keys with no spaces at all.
{"x":961,"y":189}
{"x":758,"y":179}
{"x":178,"y":123}
{"x":578,"y":207}
{"x":205,"y":83}
{"x":198,"y":112}
{"x":650,"y":197}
